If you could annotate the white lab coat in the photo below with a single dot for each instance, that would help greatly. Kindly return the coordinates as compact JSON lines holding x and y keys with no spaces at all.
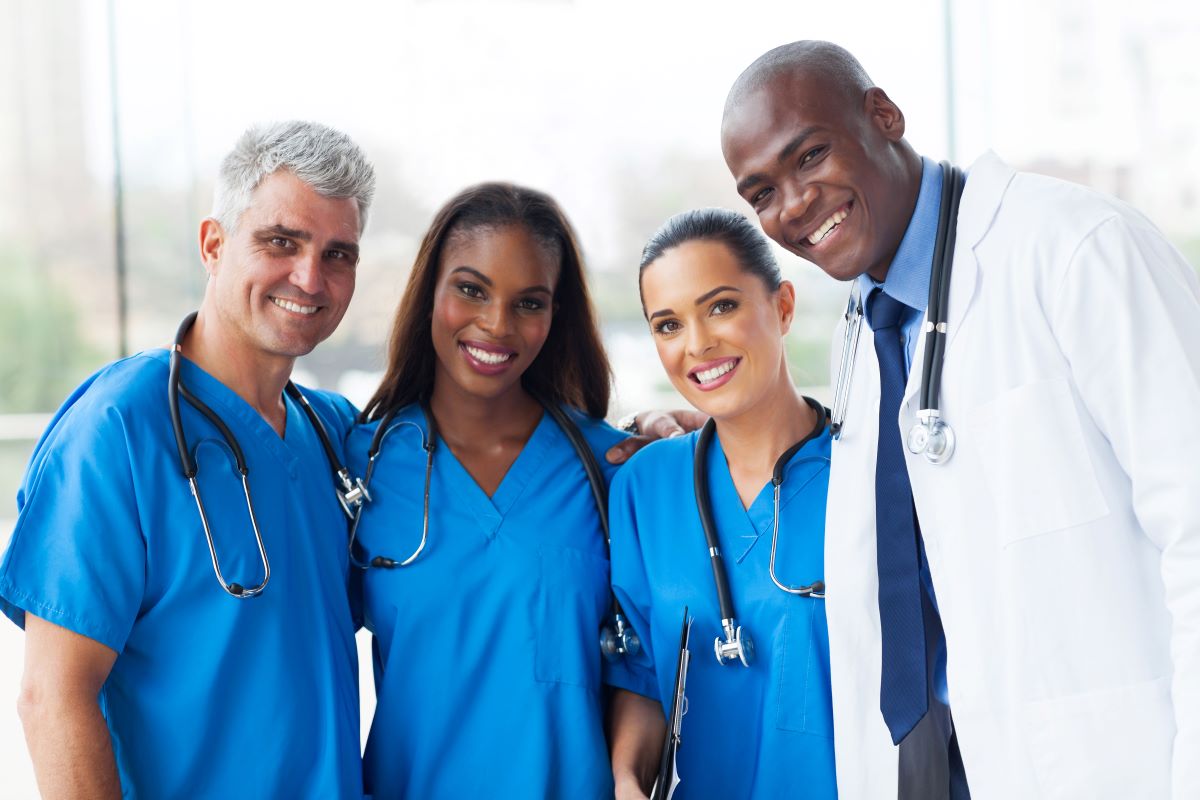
{"x":1064,"y":535}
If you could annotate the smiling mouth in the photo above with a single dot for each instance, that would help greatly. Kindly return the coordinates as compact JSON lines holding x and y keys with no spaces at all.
{"x":294,"y":307}
{"x":710,"y":375}
{"x":828,"y":226}
{"x":487,"y":358}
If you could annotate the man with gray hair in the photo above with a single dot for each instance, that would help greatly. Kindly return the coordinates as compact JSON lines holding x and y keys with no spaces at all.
{"x":144,"y":675}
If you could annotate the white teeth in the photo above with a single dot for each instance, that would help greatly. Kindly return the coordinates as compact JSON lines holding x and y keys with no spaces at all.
{"x":710,"y":375}
{"x":820,"y":233}
{"x":296,"y":307}
{"x":486,"y":357}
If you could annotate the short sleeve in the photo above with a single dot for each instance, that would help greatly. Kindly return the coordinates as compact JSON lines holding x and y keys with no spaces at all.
{"x":77,"y":557}
{"x":631,"y":588}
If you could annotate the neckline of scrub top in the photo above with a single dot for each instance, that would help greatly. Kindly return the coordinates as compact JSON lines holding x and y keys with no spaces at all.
{"x":491,"y":510}
{"x":233,"y":406}
{"x":805,"y":464}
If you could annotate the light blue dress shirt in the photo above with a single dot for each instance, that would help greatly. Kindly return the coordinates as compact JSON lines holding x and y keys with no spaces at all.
{"x":908,"y":276}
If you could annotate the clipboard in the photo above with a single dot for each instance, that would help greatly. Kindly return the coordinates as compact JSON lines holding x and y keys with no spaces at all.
{"x":668,"y":773}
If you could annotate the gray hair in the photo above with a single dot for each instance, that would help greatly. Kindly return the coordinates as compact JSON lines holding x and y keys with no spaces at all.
{"x":326,"y":159}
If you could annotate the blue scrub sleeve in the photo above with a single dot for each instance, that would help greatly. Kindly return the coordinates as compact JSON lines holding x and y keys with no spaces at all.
{"x":77,"y":557}
{"x":631,"y":587}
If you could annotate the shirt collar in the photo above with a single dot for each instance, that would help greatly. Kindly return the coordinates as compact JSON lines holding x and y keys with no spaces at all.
{"x":908,"y":276}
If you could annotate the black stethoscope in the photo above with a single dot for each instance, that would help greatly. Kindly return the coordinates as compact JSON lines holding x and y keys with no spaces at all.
{"x":931,"y":436}
{"x":738,"y":644}
{"x":350,"y":493}
{"x":616,"y":639}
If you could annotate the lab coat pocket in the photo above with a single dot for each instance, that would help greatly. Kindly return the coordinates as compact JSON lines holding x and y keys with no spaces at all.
{"x":1035,"y":459}
{"x":572,"y":601}
{"x":804,"y":701}
{"x":1114,"y":742}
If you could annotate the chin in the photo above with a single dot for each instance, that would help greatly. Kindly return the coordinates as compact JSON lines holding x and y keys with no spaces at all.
{"x":715,"y":407}
{"x":484,"y":388}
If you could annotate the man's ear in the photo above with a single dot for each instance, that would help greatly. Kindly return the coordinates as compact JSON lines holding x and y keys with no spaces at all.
{"x":212,"y":244}
{"x":885,"y":115}
{"x":786,"y":304}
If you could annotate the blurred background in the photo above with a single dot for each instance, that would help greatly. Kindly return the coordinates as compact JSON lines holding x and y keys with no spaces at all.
{"x":114,"y":115}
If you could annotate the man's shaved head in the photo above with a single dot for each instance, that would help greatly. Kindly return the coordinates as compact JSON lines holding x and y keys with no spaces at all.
{"x":832,"y":66}
{"x":818,"y":151}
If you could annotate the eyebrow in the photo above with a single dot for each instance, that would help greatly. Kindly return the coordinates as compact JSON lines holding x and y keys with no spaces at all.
{"x":283,"y":230}
{"x":701,"y":300}
{"x":788,"y":149}
{"x":305,"y":236}
{"x":709,"y":295}
{"x":486,"y":281}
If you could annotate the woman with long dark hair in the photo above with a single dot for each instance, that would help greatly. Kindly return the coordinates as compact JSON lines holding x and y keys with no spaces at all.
{"x":759,"y":718}
{"x":484,"y":564}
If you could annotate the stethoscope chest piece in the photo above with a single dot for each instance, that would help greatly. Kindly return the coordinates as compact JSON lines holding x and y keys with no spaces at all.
{"x":932,"y":438}
{"x":737,"y":645}
{"x":618,"y":639}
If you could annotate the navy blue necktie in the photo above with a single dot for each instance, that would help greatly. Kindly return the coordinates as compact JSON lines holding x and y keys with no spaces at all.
{"x":904,"y":684}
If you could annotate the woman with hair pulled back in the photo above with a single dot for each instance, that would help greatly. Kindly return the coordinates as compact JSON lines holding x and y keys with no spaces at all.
{"x":483,"y":564}
{"x":719,"y":310}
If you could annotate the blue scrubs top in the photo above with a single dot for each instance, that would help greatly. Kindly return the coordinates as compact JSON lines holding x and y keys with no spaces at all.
{"x":488,"y":669}
{"x":209,"y":695}
{"x":762,"y":731}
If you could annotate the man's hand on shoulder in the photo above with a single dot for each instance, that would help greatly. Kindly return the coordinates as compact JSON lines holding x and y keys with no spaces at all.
{"x":654,"y":425}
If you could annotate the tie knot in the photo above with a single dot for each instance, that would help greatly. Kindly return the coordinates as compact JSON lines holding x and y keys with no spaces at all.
{"x":883,"y":310}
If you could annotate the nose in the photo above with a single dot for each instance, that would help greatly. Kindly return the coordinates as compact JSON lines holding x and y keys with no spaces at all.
{"x":699,"y":340}
{"x":496,"y":319}
{"x":306,"y":273}
{"x":797,"y":200}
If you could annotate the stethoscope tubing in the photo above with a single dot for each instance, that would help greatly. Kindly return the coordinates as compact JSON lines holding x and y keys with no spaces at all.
{"x":615,"y":641}
{"x":708,"y":524}
{"x":704,"y":506}
{"x":428,"y":444}
{"x":939,"y":295}
{"x":176,"y":389}
{"x":852,"y":320}
{"x":936,"y":325}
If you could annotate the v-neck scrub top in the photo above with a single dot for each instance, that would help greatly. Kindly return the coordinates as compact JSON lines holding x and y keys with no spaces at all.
{"x":488,"y":669}
{"x":760,"y":732}
{"x":210,"y":695}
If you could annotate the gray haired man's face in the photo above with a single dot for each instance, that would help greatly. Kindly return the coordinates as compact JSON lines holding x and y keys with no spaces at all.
{"x":284,"y":278}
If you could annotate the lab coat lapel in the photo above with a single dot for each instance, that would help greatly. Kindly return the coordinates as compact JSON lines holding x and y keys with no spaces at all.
{"x":988,"y":178}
